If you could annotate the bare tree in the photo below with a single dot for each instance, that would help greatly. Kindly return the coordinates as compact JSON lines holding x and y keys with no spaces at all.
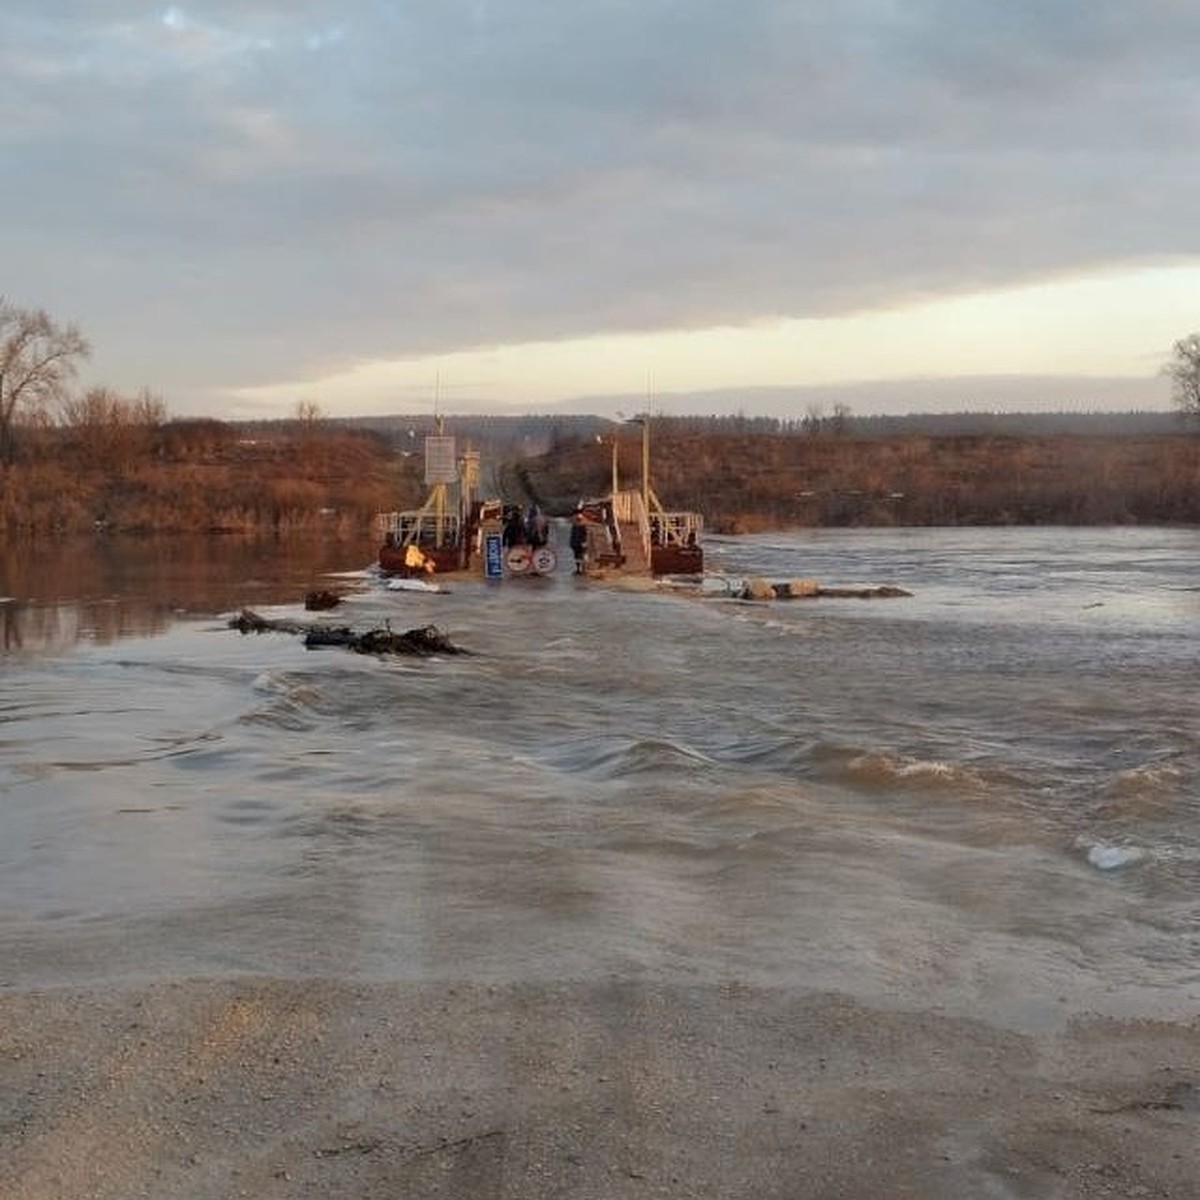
{"x":148,"y":409}
{"x":308,"y":413}
{"x":38,"y":359}
{"x":814,"y":419}
{"x":109,"y":430}
{"x":1184,"y":372}
{"x":311,"y":423}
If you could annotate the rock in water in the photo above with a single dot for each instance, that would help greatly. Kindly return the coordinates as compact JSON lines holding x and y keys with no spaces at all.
{"x":758,"y":588}
{"x":802,"y":587}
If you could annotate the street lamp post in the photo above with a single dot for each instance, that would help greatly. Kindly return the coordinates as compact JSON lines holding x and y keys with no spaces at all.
{"x":644,"y":421}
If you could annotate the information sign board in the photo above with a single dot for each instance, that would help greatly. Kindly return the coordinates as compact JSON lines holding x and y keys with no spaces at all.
{"x":440,"y":463}
{"x":493,"y":555}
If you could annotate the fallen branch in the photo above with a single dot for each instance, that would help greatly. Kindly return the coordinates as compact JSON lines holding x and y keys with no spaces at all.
{"x":423,"y":641}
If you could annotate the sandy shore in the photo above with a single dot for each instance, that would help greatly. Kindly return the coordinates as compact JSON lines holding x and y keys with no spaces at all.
{"x":265,"y":1088}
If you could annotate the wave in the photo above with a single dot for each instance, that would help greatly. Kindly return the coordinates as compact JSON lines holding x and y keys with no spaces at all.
{"x":1151,"y":794}
{"x":789,"y":758}
{"x":1150,"y":780}
{"x":619,"y":758}
{"x":293,"y":705}
{"x":883,"y":769}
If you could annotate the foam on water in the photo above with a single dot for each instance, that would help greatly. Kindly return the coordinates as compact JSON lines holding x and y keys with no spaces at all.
{"x":881,"y":770}
{"x":1111,"y":858}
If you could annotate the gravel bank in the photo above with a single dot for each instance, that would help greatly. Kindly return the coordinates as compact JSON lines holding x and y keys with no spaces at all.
{"x":197,"y":1090}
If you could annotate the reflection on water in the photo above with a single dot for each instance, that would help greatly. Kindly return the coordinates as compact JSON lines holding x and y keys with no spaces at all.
{"x":48,"y":628}
{"x":55,"y":594}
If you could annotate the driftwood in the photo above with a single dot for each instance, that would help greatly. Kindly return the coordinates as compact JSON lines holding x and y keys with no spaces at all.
{"x":248,"y":621}
{"x":423,"y":641}
{"x":882,"y":592}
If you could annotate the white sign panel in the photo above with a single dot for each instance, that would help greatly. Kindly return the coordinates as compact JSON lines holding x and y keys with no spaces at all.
{"x":440,"y":461}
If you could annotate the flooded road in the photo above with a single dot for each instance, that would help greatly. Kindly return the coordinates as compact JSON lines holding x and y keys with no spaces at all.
{"x":983,"y":796}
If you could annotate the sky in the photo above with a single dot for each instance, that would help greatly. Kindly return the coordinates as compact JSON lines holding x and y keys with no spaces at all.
{"x":388,"y":206}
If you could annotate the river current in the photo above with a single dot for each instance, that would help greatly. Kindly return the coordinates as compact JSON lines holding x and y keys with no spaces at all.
{"x":983,"y":797}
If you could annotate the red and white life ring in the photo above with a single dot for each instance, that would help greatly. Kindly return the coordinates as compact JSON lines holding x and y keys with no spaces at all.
{"x":518,"y":560}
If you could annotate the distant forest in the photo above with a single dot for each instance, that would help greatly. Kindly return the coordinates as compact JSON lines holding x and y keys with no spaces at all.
{"x":748,"y":478}
{"x":531,"y":432}
{"x":126,"y":468}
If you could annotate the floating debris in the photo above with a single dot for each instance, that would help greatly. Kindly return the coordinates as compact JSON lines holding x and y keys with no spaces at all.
{"x":883,"y":591}
{"x":756,"y":587}
{"x":321,"y":600}
{"x":425,"y":640}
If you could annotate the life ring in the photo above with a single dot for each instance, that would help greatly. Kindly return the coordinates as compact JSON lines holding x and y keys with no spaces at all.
{"x":518,"y":559}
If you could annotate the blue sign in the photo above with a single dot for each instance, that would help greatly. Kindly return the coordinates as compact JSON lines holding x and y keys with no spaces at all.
{"x":493,"y":556}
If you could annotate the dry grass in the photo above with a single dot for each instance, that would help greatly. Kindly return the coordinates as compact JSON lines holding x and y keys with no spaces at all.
{"x":744,"y":482}
{"x":199,"y":480}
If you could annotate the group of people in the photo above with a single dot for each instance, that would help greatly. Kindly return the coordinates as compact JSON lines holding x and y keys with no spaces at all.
{"x":525,"y":529}
{"x":532,"y":529}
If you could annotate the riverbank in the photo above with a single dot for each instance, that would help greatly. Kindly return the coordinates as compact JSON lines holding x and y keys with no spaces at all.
{"x":270,"y":1088}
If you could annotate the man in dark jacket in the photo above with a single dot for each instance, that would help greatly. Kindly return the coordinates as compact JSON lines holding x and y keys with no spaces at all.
{"x":579,"y":541}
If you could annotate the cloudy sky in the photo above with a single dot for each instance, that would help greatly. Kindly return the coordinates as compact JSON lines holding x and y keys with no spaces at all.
{"x":378,"y":205}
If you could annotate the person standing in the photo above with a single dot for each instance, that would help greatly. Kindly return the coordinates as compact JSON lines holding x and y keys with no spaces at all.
{"x":579,"y":541}
{"x":514,"y":527}
{"x":537,"y":528}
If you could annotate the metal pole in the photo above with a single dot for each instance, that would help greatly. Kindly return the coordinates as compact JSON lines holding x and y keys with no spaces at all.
{"x":646,"y":464}
{"x":614,"y":466}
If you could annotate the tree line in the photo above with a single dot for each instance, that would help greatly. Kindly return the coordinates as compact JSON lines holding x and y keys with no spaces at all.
{"x":743,"y":482}
{"x":79,"y":458}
